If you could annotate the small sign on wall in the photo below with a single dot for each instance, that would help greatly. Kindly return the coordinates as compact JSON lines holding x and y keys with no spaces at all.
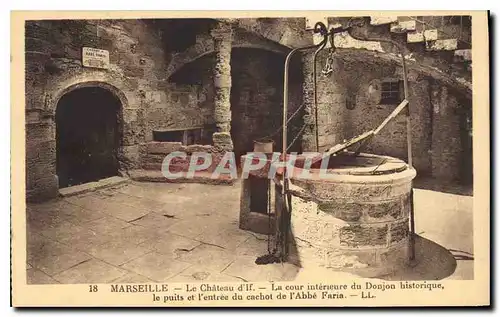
{"x":94,"y":57}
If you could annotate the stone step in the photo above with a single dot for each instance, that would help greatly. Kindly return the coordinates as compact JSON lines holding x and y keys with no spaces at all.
{"x":425,"y":36}
{"x":92,"y":186}
{"x":404,"y":26}
{"x":415,"y":37}
{"x":151,"y":166}
{"x":174,"y":168}
{"x":464,"y":55}
{"x":164,"y":148}
{"x":442,"y":45}
{"x":153,"y":158}
{"x":141,"y":175}
{"x":154,"y":147}
{"x":380,"y":20}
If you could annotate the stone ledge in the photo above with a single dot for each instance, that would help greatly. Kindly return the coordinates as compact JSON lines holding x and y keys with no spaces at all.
{"x":442,"y":45}
{"x":404,"y":26}
{"x":380,"y":20}
{"x":463,"y":55}
{"x":90,"y":187}
{"x":199,"y":177}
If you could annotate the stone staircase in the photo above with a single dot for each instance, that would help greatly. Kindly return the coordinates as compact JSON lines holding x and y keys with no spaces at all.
{"x":435,"y":36}
{"x":437,"y":46}
{"x":431,"y":36}
{"x":447,"y":39}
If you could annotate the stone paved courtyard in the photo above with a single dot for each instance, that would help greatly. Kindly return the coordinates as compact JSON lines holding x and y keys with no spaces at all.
{"x":158,"y":232}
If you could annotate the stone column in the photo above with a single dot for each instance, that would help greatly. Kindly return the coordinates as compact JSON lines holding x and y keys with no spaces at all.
{"x":222,"y":35}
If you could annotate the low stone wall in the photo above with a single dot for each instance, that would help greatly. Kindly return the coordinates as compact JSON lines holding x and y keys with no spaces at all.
{"x":154,"y":153}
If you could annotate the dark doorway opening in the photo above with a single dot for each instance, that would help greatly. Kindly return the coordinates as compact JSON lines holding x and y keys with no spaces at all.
{"x":257,"y":98}
{"x":88,"y":136}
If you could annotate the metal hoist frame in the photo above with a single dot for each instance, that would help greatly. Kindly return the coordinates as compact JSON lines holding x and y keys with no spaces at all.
{"x":283,"y":225}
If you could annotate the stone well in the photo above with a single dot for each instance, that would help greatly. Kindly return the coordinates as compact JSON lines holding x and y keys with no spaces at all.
{"x":356,"y":219}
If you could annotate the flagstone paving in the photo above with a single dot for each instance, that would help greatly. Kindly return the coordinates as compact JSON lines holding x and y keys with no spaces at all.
{"x":160,"y":232}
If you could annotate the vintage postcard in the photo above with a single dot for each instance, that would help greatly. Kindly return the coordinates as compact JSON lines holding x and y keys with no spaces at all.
{"x":313,"y":158}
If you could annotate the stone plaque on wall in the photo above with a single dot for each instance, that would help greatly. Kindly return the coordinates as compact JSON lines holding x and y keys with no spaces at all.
{"x":94,"y":57}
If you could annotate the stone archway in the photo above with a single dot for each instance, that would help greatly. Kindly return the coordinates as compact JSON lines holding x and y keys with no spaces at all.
{"x":88,"y":134}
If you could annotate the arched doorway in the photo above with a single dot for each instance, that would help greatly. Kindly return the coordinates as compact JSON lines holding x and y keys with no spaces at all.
{"x":88,"y":134}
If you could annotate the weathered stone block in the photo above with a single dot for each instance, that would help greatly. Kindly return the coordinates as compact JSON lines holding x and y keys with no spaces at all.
{"x":129,"y":156}
{"x":45,"y":188}
{"x":198,"y":148}
{"x":399,"y":231}
{"x":355,"y":236}
{"x":442,"y":45}
{"x":133,"y":71}
{"x":35,"y":29}
{"x":382,"y":19}
{"x":40,"y":150}
{"x":415,"y":37}
{"x":164,"y":147}
{"x":223,"y":140}
{"x":404,"y":26}
{"x":344,"y":211}
{"x":37,"y":45}
{"x":40,"y":132}
{"x":383,"y":209}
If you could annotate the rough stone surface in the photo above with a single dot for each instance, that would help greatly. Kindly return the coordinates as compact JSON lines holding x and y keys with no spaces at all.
{"x":222,"y":141}
{"x":447,"y":152}
{"x":199,"y":177}
{"x":378,"y":20}
{"x":163,"y":147}
{"x":59,"y":42}
{"x":360,"y":235}
{"x":443,"y":45}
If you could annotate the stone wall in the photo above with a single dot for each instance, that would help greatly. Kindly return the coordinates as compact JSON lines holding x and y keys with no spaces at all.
{"x":364,"y":82}
{"x":331,"y":95}
{"x":136,"y":75}
{"x":449,"y":152}
{"x":436,"y":116}
{"x":155,"y":154}
{"x":257,"y":97}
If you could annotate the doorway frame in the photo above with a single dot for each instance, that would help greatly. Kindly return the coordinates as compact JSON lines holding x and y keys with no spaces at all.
{"x":117,"y":93}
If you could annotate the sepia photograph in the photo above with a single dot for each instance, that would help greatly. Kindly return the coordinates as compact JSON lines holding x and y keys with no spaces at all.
{"x":217,"y":152}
